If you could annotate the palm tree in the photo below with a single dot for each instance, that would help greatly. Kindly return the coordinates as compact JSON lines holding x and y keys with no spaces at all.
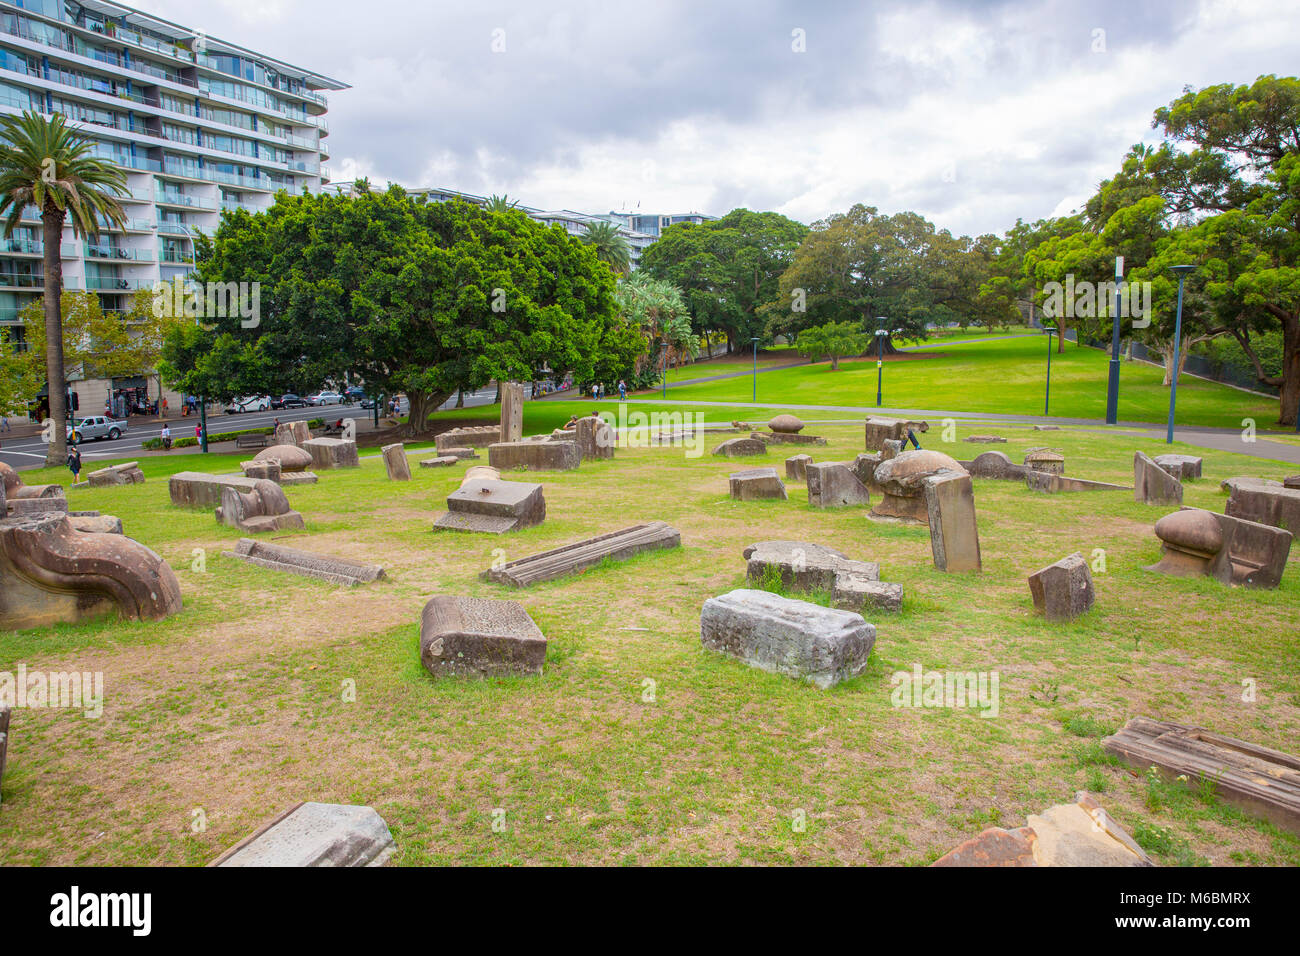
{"x":611,"y":248}
{"x":49,"y":165}
{"x":500,"y":203}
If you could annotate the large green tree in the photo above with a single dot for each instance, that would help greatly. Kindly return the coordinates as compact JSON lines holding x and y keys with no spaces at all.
{"x":728,"y":269}
{"x":411,"y":296}
{"x":47,"y":164}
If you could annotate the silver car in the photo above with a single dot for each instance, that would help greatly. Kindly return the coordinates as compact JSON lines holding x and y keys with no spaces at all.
{"x":96,"y":427}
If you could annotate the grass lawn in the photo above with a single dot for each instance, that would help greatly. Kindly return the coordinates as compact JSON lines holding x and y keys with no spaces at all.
{"x":636,"y":745}
{"x":1000,"y":375}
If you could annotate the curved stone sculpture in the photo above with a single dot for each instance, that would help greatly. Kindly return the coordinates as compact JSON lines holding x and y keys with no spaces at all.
{"x":786,"y":424}
{"x":291,"y":457}
{"x":52,"y":573}
{"x":264,"y":508}
{"x":14,"y":487}
{"x":902,"y":479}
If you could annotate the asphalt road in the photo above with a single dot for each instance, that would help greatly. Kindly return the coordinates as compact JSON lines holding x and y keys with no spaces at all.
{"x":26,"y":452}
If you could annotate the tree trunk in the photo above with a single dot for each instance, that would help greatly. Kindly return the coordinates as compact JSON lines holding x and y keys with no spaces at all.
{"x":1167,"y":351}
{"x":1060,"y":337}
{"x":423,"y":404}
{"x":460,"y":398}
{"x":1289,"y":398}
{"x":497,"y":400}
{"x":835,"y":363}
{"x":56,"y":383}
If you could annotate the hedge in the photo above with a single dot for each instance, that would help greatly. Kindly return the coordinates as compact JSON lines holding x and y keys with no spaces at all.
{"x":153,"y":444}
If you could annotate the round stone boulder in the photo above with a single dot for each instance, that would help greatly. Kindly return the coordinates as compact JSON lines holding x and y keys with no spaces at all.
{"x":786,"y":425}
{"x":292,"y":458}
{"x":1192,"y":531}
{"x":903,"y":474}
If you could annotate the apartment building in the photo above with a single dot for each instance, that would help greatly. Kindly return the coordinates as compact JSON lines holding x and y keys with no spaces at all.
{"x":200,"y":125}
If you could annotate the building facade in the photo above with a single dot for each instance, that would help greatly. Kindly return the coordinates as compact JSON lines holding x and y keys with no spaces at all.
{"x":199,"y":125}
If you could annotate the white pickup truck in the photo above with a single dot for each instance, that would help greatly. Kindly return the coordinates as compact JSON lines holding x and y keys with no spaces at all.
{"x":96,"y":427}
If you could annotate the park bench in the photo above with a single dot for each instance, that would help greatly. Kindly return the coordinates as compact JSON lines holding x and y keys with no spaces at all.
{"x":250,"y":441}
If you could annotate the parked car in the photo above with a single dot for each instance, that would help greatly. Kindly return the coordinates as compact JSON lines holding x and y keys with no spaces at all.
{"x":288,"y":400}
{"x":325,"y":398}
{"x":96,"y":427}
{"x":253,"y":403}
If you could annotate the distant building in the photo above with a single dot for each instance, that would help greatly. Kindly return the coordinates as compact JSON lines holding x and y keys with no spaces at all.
{"x":199,"y":124}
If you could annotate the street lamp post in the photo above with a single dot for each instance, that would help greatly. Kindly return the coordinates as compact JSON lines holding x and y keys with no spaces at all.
{"x":1112,"y":390}
{"x":1047,"y":398}
{"x":755,"y":341}
{"x":1181,"y":272}
{"x":203,"y":424}
{"x":880,"y":362}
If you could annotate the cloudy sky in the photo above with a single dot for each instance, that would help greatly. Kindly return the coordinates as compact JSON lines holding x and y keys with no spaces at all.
{"x":970,"y":113}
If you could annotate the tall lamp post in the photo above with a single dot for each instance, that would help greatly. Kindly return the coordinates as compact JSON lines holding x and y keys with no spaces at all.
{"x":203,"y":424}
{"x":1112,"y":389}
{"x":1047,"y":398}
{"x":1181,"y":272}
{"x":755,"y":341}
{"x":881,"y":335}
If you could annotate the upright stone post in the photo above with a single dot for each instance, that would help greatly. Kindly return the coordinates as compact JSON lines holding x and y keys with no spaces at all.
{"x":512,"y":411}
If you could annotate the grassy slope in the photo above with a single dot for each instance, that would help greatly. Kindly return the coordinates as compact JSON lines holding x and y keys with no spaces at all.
{"x":235,"y":707}
{"x":1001,"y":376}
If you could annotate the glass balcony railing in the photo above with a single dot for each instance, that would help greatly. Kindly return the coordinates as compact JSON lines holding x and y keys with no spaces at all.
{"x":19,"y":280}
{"x":105,"y":251}
{"x":176,"y":256}
{"x":116,"y":283}
{"x":28,"y":247}
{"x":182,"y":199}
{"x":175,"y":228}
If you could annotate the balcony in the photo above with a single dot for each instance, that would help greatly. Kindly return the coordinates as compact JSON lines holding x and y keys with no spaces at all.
{"x":181,"y":199}
{"x":22,"y":247}
{"x":175,"y":228}
{"x":18,"y":280}
{"x":116,"y":283}
{"x":104,"y":251}
{"x":174,"y":256}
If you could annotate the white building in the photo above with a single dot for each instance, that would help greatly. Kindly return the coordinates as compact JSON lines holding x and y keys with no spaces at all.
{"x":200,"y":125}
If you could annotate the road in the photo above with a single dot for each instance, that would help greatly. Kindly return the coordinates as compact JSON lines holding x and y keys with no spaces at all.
{"x":27,"y":452}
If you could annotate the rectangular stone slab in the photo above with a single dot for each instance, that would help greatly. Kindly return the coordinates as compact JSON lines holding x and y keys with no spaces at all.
{"x":1063,"y":591}
{"x":479,"y":637}
{"x":1153,"y":485}
{"x":571,"y":558}
{"x":954,"y":533}
{"x":1049,"y":483}
{"x":535,"y":455}
{"x":315,"y":834}
{"x":196,"y":489}
{"x":512,"y":411}
{"x":329,"y":453}
{"x":493,"y":506}
{"x":785,"y":636}
{"x":833,"y":484}
{"x":1279,"y":506}
{"x":323,"y":567}
{"x":399,"y":469}
{"x":1256,"y":779}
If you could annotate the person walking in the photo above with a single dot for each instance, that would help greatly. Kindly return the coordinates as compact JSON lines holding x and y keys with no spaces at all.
{"x":164,"y":408}
{"x":198,"y":433}
{"x":622,"y":390}
{"x":166,"y":437}
{"x":4,"y":423}
{"x":74,"y":463}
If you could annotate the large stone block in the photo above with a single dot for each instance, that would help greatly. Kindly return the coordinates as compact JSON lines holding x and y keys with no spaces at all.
{"x":264,"y":508}
{"x":804,"y":566}
{"x":535,"y":455}
{"x":785,"y":636}
{"x":479,"y":436}
{"x":796,"y":467}
{"x":51,"y":573}
{"x":1182,"y":467}
{"x":332,"y":453}
{"x":196,"y":489}
{"x":954,"y":534}
{"x":265,"y":470}
{"x":512,"y":411}
{"x":1045,"y":460}
{"x":1049,"y":483}
{"x":493,"y":506}
{"x":128,"y":473}
{"x":833,"y":484}
{"x":1063,"y":591}
{"x":595,"y":437}
{"x":740,"y":448}
{"x":879,"y":430}
{"x":315,"y":834}
{"x":1276,"y":506}
{"x":478,"y":637}
{"x":291,"y":433}
{"x":1153,"y":485}
{"x":755,"y":484}
{"x":399,"y":469}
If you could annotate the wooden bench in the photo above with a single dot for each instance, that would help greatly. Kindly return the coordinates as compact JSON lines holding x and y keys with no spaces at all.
{"x":250,"y":441}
